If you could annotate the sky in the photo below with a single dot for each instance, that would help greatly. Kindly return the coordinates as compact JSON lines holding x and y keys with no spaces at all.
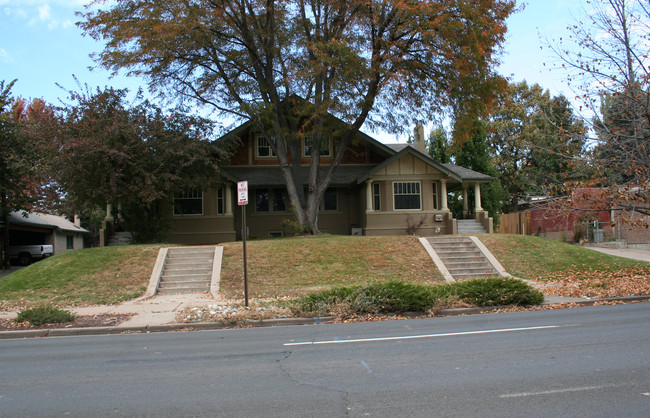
{"x":40,"y":46}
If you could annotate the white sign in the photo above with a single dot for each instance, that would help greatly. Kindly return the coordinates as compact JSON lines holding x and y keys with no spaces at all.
{"x":242,"y":193}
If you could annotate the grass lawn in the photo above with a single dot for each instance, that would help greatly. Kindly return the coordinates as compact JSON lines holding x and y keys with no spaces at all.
{"x":93,"y":276}
{"x":291,"y":267}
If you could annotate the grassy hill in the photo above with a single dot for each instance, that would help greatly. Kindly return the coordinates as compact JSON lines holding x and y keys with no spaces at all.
{"x":297,"y":266}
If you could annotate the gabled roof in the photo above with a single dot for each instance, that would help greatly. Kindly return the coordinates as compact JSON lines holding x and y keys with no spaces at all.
{"x":458,"y":173}
{"x":241,"y":129}
{"x":44,"y":220}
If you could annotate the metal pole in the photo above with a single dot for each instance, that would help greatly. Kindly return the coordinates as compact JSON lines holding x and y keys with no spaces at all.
{"x":243,"y":234}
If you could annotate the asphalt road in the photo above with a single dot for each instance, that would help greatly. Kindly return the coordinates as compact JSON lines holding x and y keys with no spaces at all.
{"x":592,"y":361}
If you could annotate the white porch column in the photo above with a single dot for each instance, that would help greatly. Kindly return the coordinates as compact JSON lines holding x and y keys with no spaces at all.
{"x":109,"y":212}
{"x":465,"y":201}
{"x":443,"y":195}
{"x":369,"y":205}
{"x":477,"y":198}
{"x":228,"y":198}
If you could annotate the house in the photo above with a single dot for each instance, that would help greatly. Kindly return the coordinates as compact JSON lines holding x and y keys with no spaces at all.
{"x":377,"y":189}
{"x":33,"y":228}
{"x":589,"y":214}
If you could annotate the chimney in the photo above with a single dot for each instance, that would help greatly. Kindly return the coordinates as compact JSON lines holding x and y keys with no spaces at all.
{"x":419,"y":139}
{"x":77,"y":221}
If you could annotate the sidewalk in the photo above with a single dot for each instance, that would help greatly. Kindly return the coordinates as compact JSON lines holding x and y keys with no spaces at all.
{"x":635,"y":254}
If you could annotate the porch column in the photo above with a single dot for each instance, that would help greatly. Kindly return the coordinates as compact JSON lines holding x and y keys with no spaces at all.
{"x":119,"y":212}
{"x":465,"y":201}
{"x":228,"y":198}
{"x":477,"y":198}
{"x":109,"y":212}
{"x":443,"y":195}
{"x":369,"y":207}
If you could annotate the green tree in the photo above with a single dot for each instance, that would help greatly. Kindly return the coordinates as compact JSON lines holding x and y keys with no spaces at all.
{"x":438,"y":145}
{"x":476,"y":154}
{"x":536,"y":142}
{"x":136,"y":155}
{"x":383,"y":63}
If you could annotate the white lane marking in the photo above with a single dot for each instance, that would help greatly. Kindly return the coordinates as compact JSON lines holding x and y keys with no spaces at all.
{"x":413,"y":337}
{"x":556,"y":391}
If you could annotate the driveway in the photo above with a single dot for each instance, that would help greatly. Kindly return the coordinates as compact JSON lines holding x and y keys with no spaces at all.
{"x":635,"y":254}
{"x":11,"y":269}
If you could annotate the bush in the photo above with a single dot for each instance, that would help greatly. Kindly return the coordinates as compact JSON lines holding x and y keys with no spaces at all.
{"x":399,"y":297}
{"x":496,"y":291}
{"x":45,"y":315}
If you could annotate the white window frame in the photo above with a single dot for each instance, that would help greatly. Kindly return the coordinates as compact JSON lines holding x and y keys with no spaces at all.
{"x":257,"y":147}
{"x":324,"y":151}
{"x":190,"y":194}
{"x":406,"y":192}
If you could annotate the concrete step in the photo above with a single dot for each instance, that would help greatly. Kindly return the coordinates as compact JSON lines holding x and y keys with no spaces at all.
{"x":188,"y":268}
{"x":180,"y":291}
{"x":184,"y":284}
{"x":463,"y":276}
{"x":185,"y":277}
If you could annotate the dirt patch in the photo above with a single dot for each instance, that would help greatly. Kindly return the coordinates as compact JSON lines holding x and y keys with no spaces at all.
{"x":81,"y":321}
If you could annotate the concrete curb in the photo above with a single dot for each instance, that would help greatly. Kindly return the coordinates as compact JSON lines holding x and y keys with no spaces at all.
{"x":202,"y":326}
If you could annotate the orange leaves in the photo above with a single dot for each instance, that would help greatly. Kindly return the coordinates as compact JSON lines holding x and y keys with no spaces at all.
{"x":599,"y":283}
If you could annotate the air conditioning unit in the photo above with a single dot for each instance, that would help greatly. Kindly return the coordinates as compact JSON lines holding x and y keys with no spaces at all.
{"x":357,"y":231}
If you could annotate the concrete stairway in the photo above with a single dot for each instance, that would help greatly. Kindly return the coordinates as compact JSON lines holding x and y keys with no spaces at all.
{"x":462,"y":258}
{"x":187,"y":270}
{"x":469,"y":227}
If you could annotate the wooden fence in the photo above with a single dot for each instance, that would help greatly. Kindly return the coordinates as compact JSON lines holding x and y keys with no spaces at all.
{"x":515,"y":223}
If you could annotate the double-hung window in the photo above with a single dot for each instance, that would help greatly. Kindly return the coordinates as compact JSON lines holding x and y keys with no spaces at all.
{"x":264,"y":148}
{"x":376,"y":196}
{"x":407,"y":195}
{"x":188,"y":202}
{"x":435,"y":196}
{"x":324,"y":147}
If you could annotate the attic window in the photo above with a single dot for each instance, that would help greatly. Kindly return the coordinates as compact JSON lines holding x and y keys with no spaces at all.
{"x":264,"y":148}
{"x":324,"y":147}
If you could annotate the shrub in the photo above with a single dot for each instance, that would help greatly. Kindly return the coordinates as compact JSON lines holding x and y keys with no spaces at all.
{"x":44,"y":315}
{"x":495,"y":291}
{"x":399,"y":297}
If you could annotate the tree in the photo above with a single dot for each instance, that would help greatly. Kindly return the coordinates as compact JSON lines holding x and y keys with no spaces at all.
{"x":607,"y":61}
{"x":475,"y":153}
{"x":383,"y":63}
{"x":19,"y":163}
{"x":138,"y":156}
{"x":536,"y":141}
{"x":438,"y":145}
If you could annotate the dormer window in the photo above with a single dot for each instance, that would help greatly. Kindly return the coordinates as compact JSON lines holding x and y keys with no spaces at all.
{"x":264,"y":148}
{"x":325,"y":150}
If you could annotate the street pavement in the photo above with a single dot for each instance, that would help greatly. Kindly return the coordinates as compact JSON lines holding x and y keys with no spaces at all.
{"x":585,"y":362}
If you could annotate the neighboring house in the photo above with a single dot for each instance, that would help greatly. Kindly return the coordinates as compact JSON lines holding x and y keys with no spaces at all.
{"x":377,"y":189}
{"x":589,"y":214}
{"x":41,"y":228}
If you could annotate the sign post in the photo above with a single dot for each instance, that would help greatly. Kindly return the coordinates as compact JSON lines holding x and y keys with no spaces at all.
{"x":242,"y":200}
